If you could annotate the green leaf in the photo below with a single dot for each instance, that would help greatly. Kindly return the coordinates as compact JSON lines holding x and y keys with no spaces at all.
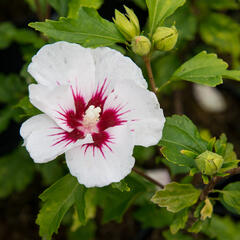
{"x":159,"y":10}
{"x":207,"y":210}
{"x":141,"y":4}
{"x":33,"y":5}
{"x":176,"y":196}
{"x":80,"y":203}
{"x":221,"y":4}
{"x":222,"y":228}
{"x":151,"y":215}
{"x":12,"y":88}
{"x":196,"y":227}
{"x":180,"y":133}
{"x":185,"y":22}
{"x":121,"y":186}
{"x":178,"y":236}
{"x":198,"y":209}
{"x":84,"y":232}
{"x":16,"y":172}
{"x":50,"y":172}
{"x":89,"y":30}
{"x":57,"y":200}
{"x":75,"y":5}
{"x":27,"y":107}
{"x":5,"y":116}
{"x":204,"y":69}
{"x":221,"y":32}
{"x":228,"y":166}
{"x":180,"y":220}
{"x":7,"y":32}
{"x":61,"y":6}
{"x":225,"y":149}
{"x":117,"y":200}
{"x":231,"y":195}
{"x":232,"y":74}
{"x":164,"y":67}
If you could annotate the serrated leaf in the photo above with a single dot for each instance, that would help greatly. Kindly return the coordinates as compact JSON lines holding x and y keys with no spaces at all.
{"x":180,"y":133}
{"x":75,"y":5}
{"x":119,"y":201}
{"x":57,"y":200}
{"x":222,"y":228}
{"x":228,"y":166}
{"x":222,"y":32}
{"x":232,"y":74}
{"x":89,"y":30}
{"x":151,"y":215}
{"x":159,"y":10}
{"x":121,"y":186}
{"x":180,"y":220}
{"x":205,"y":68}
{"x":207,"y":210}
{"x":16,"y":172}
{"x":176,"y":196}
{"x":231,"y":195}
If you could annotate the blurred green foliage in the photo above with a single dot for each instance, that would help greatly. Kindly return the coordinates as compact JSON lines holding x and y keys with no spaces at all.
{"x":204,"y":24}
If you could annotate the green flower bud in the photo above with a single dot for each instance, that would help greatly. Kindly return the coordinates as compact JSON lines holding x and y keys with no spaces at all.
{"x":209,"y":163}
{"x":165,"y":38}
{"x":127,"y":24}
{"x":141,"y":45}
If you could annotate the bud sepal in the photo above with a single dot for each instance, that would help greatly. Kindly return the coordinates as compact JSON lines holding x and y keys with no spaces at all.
{"x":127,"y":24}
{"x":165,"y":38}
{"x":141,"y":45}
{"x":209,"y":163}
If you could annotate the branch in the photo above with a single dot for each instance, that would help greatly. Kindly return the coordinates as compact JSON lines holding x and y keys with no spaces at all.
{"x":139,"y":172}
{"x":147,"y":62}
{"x":215,"y":180}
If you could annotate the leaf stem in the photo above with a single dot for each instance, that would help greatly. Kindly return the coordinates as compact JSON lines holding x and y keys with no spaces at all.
{"x":141,"y":173}
{"x":163,"y":86}
{"x":209,"y":188}
{"x":147,"y":61}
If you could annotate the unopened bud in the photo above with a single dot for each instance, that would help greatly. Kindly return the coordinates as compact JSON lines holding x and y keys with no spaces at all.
{"x":127,"y":24}
{"x":209,"y":163}
{"x":141,"y":45}
{"x":165,"y":38}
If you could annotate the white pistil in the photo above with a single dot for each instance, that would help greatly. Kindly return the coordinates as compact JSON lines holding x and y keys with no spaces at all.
{"x":91,"y":117}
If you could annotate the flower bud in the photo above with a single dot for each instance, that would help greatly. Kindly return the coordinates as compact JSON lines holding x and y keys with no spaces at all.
{"x":165,"y":38}
{"x":141,"y":45}
{"x":209,"y":163}
{"x":127,"y":24}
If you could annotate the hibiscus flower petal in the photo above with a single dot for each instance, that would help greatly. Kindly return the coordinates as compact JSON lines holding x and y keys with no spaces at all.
{"x":44,"y":140}
{"x":59,"y":104}
{"x":141,"y":109}
{"x":108,"y":160}
{"x":113,"y":66}
{"x":64,"y":63}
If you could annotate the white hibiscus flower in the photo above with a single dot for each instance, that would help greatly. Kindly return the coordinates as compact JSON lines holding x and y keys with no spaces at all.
{"x":95,"y":106}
